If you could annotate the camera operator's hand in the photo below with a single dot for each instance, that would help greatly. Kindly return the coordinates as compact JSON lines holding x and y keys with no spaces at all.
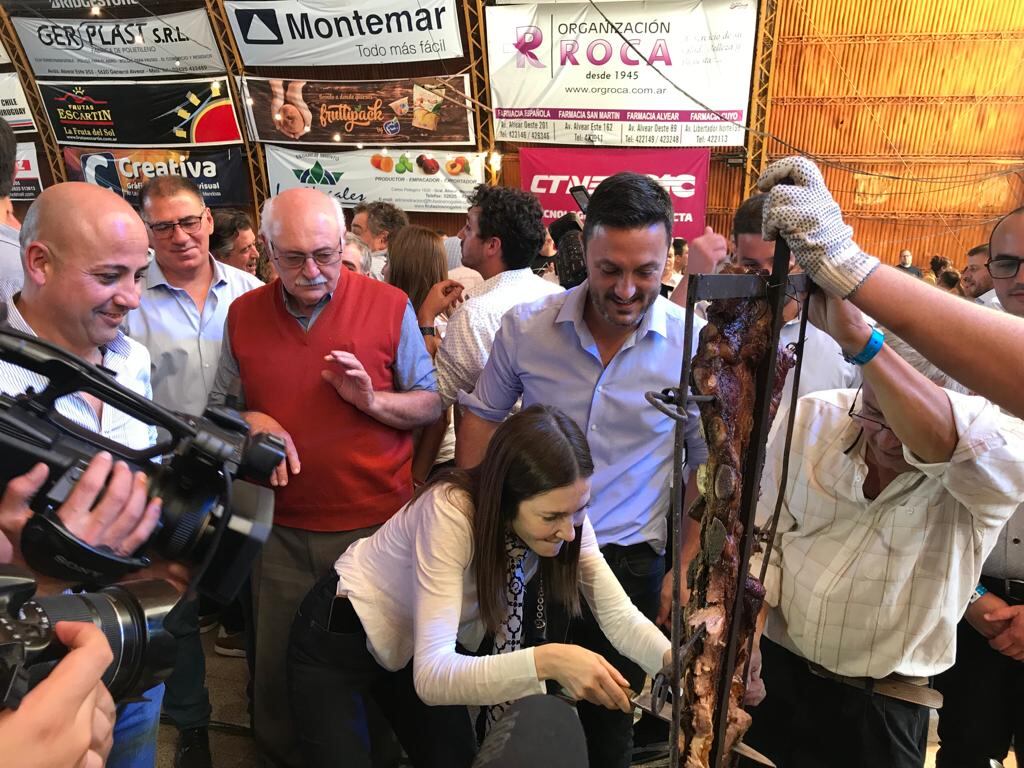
{"x":117,"y":516}
{"x":68,"y":719}
{"x":262,"y":423}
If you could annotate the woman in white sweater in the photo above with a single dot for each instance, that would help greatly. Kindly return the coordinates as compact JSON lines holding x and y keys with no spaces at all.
{"x":392,"y":628}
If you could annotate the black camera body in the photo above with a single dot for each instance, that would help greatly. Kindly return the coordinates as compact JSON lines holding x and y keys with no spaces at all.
{"x":131,"y":616}
{"x":197,"y":470}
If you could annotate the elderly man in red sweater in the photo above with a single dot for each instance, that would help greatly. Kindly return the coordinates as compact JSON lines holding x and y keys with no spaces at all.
{"x":334,"y":364}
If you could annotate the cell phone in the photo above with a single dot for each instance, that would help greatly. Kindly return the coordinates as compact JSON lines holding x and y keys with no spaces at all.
{"x":581,"y":196}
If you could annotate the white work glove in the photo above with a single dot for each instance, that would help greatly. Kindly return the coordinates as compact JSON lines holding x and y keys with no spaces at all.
{"x":800,"y":208}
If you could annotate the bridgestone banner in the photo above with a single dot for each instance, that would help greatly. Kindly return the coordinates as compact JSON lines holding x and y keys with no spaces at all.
{"x":567,"y":74}
{"x":417,"y":180}
{"x":13,"y":106}
{"x":27,"y":183}
{"x":221,"y":174}
{"x":171,"y":44}
{"x":293,"y":33}
{"x":141,"y":114}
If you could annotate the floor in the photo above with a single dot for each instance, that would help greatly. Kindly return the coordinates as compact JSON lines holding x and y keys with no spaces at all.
{"x":231,"y":744}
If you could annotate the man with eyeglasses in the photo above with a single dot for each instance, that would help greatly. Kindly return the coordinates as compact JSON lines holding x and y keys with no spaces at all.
{"x":181,"y":315}
{"x":895,"y":496}
{"x":333,"y":363}
{"x":976,"y":280}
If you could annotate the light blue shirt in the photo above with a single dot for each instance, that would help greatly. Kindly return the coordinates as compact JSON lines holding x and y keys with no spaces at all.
{"x":545,"y":352}
{"x":183,"y":343}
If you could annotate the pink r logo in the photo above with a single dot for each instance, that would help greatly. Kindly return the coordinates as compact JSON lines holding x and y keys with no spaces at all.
{"x":528,"y":39}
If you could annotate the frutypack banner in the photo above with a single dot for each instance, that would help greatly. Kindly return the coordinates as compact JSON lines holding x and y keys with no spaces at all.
{"x":221,"y":174}
{"x":550,"y":173}
{"x":293,"y":33}
{"x":428,"y":111}
{"x":141,"y":114}
{"x":418,"y":180}
{"x":565,"y":73}
{"x":27,"y":183}
{"x":13,"y":105}
{"x":170,"y":44}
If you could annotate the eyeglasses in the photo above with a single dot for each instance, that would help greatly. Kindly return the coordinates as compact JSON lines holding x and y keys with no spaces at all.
{"x":1003,"y":267}
{"x":323,"y":258}
{"x":860,"y":416}
{"x":189,"y":225}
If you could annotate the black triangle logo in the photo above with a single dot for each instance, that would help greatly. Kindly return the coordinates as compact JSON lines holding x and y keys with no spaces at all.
{"x":259,"y":27}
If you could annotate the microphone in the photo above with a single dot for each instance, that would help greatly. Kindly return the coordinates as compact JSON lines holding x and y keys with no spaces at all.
{"x":535,"y":731}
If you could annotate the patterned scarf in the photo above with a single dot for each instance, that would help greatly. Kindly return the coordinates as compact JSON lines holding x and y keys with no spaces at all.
{"x":509,"y":636}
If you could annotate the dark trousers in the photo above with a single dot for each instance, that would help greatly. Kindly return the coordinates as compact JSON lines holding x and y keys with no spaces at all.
{"x":334,"y":681}
{"x":807,"y":721}
{"x":983,"y":704}
{"x":640,"y":571}
{"x":186,"y":700}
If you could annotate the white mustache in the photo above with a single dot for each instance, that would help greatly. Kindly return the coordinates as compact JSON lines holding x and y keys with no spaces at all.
{"x":301,"y":281}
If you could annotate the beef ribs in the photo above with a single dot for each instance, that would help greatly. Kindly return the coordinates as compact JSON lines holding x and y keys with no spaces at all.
{"x":732,"y":346}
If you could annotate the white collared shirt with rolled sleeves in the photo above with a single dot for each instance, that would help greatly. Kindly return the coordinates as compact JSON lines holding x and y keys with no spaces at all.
{"x":868,"y":587}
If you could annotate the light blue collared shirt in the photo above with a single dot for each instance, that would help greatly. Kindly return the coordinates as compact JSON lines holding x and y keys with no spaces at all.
{"x":545,"y":352}
{"x":185,"y":344}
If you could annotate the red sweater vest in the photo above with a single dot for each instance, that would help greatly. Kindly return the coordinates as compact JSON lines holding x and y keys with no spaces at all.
{"x":356,"y":472}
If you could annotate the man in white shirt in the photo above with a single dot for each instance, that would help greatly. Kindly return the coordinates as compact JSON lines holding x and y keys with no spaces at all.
{"x":896,"y":494}
{"x":977,"y":281}
{"x":375,"y":224}
{"x":10,"y":252}
{"x":181,"y":319}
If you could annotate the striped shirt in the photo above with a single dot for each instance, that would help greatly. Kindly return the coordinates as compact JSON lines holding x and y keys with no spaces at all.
{"x":867,"y":587}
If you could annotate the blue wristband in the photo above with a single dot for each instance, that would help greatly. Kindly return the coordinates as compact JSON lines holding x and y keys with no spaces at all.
{"x":977,"y":594}
{"x":871,"y":349}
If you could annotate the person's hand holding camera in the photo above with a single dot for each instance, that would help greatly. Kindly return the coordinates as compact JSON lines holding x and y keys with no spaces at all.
{"x":68,"y":719}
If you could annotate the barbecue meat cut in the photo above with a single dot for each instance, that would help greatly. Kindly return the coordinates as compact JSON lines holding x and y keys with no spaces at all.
{"x":732,"y":346}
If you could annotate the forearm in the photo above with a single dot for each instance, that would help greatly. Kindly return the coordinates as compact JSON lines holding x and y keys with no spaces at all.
{"x":968,"y":357}
{"x":471,"y":441}
{"x":427,"y":447}
{"x":405,"y":410}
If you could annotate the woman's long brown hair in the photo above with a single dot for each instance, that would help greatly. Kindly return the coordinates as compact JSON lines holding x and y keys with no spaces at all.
{"x":416,"y":261}
{"x":537,"y":450}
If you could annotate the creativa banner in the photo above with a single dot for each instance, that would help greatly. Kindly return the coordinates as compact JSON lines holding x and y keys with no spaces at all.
{"x":295,"y":33}
{"x":220,"y":174}
{"x":171,"y":44}
{"x":421,"y":110}
{"x":13,"y":105}
{"x":577,"y":74}
{"x":550,"y":173}
{"x":27,"y":183}
{"x":141,"y":114}
{"x":417,"y":180}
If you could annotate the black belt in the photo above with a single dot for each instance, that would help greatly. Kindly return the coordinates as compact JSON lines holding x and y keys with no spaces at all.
{"x":1011,"y":590}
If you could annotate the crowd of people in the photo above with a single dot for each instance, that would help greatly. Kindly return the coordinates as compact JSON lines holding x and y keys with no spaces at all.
{"x":473,"y":506}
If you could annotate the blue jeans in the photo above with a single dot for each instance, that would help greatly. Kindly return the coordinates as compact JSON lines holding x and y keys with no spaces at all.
{"x":135,"y":732}
{"x":187,"y":702}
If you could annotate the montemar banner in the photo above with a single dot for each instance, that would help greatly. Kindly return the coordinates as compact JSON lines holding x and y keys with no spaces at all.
{"x":27,"y":183}
{"x":294,"y":33}
{"x":563,"y":73}
{"x":420,"y":110}
{"x":141,"y":114}
{"x":429,"y":180}
{"x":550,"y":173}
{"x":171,"y":44}
{"x":220,"y":174}
{"x":13,"y":105}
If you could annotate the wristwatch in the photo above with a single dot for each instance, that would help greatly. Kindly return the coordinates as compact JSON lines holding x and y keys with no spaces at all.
{"x":428,"y":330}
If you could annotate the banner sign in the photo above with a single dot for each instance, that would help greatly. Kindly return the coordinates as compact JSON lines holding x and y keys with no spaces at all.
{"x":427,"y":180}
{"x":27,"y":183}
{"x":288,"y":33}
{"x":141,"y":114}
{"x":172,"y":44}
{"x":550,"y":173}
{"x":564,"y":74}
{"x":4,"y":58}
{"x":420,"y":110}
{"x":221,"y":174}
{"x":13,"y":105}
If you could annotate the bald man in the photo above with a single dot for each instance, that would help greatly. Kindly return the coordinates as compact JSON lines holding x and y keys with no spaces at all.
{"x":84,"y":254}
{"x":333,"y":363}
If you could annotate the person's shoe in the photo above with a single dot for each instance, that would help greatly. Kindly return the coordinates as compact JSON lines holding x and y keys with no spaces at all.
{"x":208,"y":621}
{"x":193,"y":749}
{"x":230,"y":644}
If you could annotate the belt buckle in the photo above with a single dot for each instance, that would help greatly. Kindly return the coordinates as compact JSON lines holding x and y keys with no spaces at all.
{"x":1014,"y":589}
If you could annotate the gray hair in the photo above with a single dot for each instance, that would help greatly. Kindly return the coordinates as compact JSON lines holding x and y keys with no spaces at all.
{"x":366,"y":255}
{"x":268,"y":220}
{"x":30,"y":226}
{"x":921,"y":365}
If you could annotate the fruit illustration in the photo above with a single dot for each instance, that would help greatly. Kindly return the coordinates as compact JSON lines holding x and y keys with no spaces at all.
{"x":404,"y":165}
{"x":428,"y":165}
{"x":457,"y":165}
{"x":386,"y":164}
{"x":375,"y":161}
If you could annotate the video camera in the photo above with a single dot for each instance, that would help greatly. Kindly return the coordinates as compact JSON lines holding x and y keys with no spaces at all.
{"x":197,"y":470}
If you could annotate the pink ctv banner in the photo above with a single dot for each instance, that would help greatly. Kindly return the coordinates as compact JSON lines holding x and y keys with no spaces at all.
{"x":550,"y":173}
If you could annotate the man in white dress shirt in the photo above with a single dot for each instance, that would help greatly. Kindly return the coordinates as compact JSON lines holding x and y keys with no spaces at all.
{"x":977,"y":281}
{"x":896,"y":495}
